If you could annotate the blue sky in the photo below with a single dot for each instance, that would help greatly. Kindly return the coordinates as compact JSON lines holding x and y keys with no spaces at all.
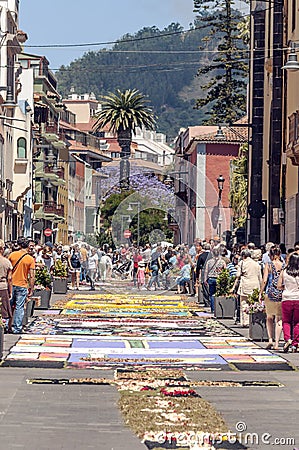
{"x":76,"y":21}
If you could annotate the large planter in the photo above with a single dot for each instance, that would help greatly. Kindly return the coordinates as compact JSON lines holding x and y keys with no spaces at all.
{"x":60,"y":286}
{"x":1,"y":341}
{"x":45,"y":296}
{"x":257,"y":326}
{"x":29,"y":310}
{"x":224,"y":307}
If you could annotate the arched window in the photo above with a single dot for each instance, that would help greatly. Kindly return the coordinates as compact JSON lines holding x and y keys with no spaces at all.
{"x":22,"y":148}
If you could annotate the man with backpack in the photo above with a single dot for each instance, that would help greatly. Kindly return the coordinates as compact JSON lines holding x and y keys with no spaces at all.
{"x":23,"y":276}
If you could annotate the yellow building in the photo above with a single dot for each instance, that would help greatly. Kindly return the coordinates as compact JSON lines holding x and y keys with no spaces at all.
{"x":273,"y":124}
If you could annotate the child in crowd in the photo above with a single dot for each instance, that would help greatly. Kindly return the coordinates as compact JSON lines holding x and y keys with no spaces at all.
{"x":141,"y":274}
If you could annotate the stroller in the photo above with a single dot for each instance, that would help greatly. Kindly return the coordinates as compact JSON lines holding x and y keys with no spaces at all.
{"x":122,"y":270}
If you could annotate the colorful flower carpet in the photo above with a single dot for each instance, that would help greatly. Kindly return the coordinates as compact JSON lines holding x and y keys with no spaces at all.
{"x":117,"y":331}
{"x":123,"y":326}
{"x":212,"y":353}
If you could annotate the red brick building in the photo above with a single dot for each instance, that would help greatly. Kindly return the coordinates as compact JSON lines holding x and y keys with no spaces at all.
{"x":203,"y":153}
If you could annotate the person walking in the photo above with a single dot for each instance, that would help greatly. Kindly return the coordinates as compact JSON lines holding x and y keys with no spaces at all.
{"x":23,"y":276}
{"x":5,"y":286}
{"x":273,"y":295}
{"x":92,"y":268}
{"x":155,"y":266}
{"x":213,"y":268}
{"x":289,"y":282}
{"x":75,"y":266}
{"x":104,"y":264}
{"x":141,"y":274}
{"x":249,"y":277}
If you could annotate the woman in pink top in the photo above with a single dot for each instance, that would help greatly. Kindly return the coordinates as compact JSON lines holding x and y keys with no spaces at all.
{"x":289,"y":282}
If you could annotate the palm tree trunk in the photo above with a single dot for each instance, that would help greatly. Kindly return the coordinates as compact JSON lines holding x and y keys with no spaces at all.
{"x":124,"y":139}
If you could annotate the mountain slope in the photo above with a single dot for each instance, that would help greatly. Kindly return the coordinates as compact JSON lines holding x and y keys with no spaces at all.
{"x":162,"y":64}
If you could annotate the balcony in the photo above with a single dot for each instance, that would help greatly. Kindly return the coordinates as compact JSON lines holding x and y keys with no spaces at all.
{"x":54,"y":175}
{"x":50,"y":210}
{"x":59,"y":171}
{"x":53,"y":208}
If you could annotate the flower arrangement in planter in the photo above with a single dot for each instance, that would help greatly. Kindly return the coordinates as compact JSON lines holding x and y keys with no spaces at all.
{"x":59,"y":269}
{"x":43,"y":287}
{"x":257,"y":317}
{"x":224,"y":284}
{"x":60,"y":273}
{"x":225,"y":304}
{"x":42,"y":279}
{"x":254,"y":305}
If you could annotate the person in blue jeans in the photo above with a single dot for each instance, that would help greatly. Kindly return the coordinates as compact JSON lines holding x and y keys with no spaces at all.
{"x":212,"y":269}
{"x":23,"y":275}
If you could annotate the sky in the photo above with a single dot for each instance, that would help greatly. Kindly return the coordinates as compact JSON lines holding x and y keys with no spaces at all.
{"x":77,"y":21}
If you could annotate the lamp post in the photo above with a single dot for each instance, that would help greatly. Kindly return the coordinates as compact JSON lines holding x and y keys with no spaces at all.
{"x":128,"y":219}
{"x":138,"y":218}
{"x":220,"y":181}
{"x":292,"y":64}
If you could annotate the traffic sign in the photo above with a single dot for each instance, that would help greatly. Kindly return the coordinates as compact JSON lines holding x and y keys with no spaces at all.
{"x":48,"y":232}
{"x":127,"y":234}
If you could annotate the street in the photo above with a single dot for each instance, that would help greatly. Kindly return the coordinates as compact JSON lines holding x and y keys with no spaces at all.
{"x":67,"y":416}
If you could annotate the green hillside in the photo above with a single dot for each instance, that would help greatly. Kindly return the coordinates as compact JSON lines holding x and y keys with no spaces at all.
{"x":162,"y":64}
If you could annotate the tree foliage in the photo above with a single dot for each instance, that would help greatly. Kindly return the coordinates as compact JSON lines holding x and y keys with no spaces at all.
{"x":125,"y":111}
{"x":160,"y":63}
{"x":225,"y":92}
{"x":238,"y":188}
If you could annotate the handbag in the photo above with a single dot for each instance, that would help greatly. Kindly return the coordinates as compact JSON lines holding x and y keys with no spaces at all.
{"x":19,"y":260}
{"x":238,"y":282}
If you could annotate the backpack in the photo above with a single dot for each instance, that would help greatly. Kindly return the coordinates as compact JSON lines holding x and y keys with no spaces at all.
{"x":274,"y":294}
{"x":75,"y":261}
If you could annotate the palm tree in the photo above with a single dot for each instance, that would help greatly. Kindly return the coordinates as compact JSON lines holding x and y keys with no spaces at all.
{"x":124,"y":112}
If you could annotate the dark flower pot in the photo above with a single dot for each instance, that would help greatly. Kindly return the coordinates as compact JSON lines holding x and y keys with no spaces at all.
{"x":257,"y":326}
{"x":60,"y":286}
{"x":29,"y":310}
{"x":1,"y":341}
{"x":45,"y":295}
{"x":224,"y":307}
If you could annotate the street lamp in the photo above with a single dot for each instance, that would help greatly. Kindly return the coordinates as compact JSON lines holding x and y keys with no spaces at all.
{"x":220,"y":181}
{"x":128,"y":219}
{"x":138,"y":218}
{"x":292,"y":64}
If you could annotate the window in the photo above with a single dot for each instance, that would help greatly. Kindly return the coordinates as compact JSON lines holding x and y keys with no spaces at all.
{"x":294,"y":11}
{"x":22,"y":148}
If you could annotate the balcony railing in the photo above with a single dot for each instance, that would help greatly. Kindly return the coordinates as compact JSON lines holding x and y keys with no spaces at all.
{"x":59,"y":171}
{"x":53,"y":208}
{"x":52,"y":128}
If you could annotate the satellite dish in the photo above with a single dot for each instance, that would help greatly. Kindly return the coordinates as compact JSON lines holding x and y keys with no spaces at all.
{"x":2,"y":205}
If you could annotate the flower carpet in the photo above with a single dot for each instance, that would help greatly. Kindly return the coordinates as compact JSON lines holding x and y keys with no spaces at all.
{"x":127,"y":326}
{"x":102,"y":331}
{"x":100,"y":352}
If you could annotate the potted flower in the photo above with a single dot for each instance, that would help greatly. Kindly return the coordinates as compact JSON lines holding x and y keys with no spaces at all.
{"x":60,"y":274}
{"x":43,"y":287}
{"x":257,"y":317}
{"x":225,"y":302}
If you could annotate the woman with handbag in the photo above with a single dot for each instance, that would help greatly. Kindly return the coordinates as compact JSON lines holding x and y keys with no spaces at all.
{"x":273,"y":295}
{"x":213,"y":268}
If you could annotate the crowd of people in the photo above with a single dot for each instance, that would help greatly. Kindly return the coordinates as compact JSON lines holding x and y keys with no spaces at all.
{"x":192,"y":270}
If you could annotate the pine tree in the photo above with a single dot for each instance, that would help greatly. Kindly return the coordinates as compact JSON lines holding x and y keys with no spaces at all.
{"x":225,"y":93}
